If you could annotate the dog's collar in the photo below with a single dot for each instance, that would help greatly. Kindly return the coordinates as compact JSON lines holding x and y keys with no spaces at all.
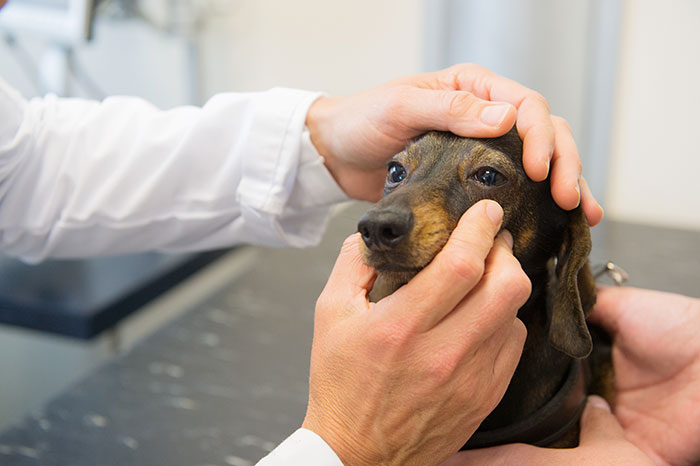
{"x":548,"y":423}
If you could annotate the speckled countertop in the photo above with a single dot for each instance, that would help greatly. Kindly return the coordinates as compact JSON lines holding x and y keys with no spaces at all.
{"x":226,"y":382}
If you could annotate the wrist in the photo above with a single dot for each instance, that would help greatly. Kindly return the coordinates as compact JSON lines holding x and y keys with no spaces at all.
{"x":317,"y":118}
{"x":358,"y":178}
{"x":340,"y":441}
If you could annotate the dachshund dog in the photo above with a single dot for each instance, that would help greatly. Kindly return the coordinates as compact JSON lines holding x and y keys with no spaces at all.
{"x":428,"y":187}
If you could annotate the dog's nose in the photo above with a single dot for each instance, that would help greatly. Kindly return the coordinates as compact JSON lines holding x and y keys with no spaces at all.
{"x":384,"y":229}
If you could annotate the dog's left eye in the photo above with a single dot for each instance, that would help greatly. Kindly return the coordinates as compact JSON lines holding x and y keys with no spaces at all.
{"x":397,"y":173}
{"x":489,"y":177}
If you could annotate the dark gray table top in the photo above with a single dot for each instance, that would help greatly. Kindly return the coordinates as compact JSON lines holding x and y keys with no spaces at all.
{"x":226,"y":382}
{"x":82,"y":298}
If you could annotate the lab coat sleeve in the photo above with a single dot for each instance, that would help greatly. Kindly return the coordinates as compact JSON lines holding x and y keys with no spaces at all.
{"x":82,"y":178}
{"x":302,"y":447}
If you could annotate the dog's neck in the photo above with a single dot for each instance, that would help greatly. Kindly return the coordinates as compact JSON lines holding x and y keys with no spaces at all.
{"x":542,"y":369}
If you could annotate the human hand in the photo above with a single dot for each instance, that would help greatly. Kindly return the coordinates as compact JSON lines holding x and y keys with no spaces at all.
{"x":408,"y":380}
{"x":656,"y":356}
{"x":602,"y":442}
{"x":357,"y":134}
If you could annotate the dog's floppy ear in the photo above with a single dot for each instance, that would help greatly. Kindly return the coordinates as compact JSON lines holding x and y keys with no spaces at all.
{"x":574,"y":290}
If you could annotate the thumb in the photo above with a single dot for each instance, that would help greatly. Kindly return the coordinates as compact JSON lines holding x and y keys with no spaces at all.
{"x":348,"y":285}
{"x":459,"y":112}
{"x":610,"y":305}
{"x":598,"y":422}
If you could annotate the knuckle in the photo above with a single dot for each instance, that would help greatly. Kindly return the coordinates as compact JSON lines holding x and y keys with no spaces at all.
{"x":519,"y":284}
{"x":441,"y":366}
{"x":396,"y":99}
{"x":351,"y":250}
{"x":573,"y":167}
{"x":513,"y":279}
{"x":386,"y":335}
{"x":540,"y":99}
{"x":350,"y":244}
{"x":468,"y":68}
{"x":561,"y":122}
{"x":350,"y":241}
{"x":324,"y":302}
{"x":465,"y":266}
{"x":460,"y":104}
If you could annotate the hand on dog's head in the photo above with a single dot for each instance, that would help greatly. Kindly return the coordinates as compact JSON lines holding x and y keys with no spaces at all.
{"x":435,"y":180}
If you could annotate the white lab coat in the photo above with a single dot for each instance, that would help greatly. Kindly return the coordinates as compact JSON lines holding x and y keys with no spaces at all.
{"x":81,"y":178}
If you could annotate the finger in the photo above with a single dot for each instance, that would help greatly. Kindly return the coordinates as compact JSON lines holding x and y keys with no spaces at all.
{"x":502,"y":455}
{"x":618,"y":308}
{"x":536,"y":130}
{"x":598,"y":423}
{"x":459,"y":112}
{"x":454,"y":271}
{"x":611,"y":304}
{"x":502,"y":290}
{"x":509,"y":354}
{"x":566,"y":166}
{"x":498,"y":357}
{"x":591,"y":208}
{"x":533,"y":121}
{"x":348,"y":285}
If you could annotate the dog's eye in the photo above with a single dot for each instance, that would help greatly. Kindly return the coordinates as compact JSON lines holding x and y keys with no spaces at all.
{"x":397,"y":173}
{"x":489,"y":177}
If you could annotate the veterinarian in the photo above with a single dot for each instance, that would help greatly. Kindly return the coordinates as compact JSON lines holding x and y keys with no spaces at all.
{"x":81,"y":178}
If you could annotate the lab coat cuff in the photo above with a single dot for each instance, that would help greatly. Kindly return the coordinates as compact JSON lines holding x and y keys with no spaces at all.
{"x":302,"y":447}
{"x":271,"y":166}
{"x":13,"y":113}
{"x":314,"y":186}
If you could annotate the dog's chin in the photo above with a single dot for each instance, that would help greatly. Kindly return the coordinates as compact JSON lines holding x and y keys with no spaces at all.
{"x":392,"y":272}
{"x":391,"y":277}
{"x":390,"y":268}
{"x":400,"y":276}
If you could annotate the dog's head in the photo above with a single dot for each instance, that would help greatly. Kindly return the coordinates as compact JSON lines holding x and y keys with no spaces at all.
{"x":435,"y":180}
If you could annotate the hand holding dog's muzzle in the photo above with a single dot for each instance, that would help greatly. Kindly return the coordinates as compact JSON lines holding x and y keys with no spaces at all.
{"x":408,"y":379}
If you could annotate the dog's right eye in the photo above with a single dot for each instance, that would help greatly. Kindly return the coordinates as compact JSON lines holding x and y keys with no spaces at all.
{"x":489,"y":177}
{"x":397,"y":173}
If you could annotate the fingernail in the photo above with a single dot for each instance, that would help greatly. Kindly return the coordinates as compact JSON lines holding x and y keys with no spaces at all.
{"x":493,"y":115}
{"x":598,"y":402}
{"x":578,"y":191}
{"x":494,"y":211}
{"x":507,"y":237}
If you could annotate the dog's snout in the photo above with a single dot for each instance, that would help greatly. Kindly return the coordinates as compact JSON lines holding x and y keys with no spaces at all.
{"x":385,"y":229}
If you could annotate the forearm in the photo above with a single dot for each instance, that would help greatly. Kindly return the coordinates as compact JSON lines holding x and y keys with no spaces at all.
{"x":82,"y":178}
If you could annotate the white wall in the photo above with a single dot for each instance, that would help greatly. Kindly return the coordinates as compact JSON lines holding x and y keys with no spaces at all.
{"x":655,"y":164}
{"x":127,"y":57}
{"x":248,"y":45}
{"x":540,"y":43}
{"x":338,"y":47}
